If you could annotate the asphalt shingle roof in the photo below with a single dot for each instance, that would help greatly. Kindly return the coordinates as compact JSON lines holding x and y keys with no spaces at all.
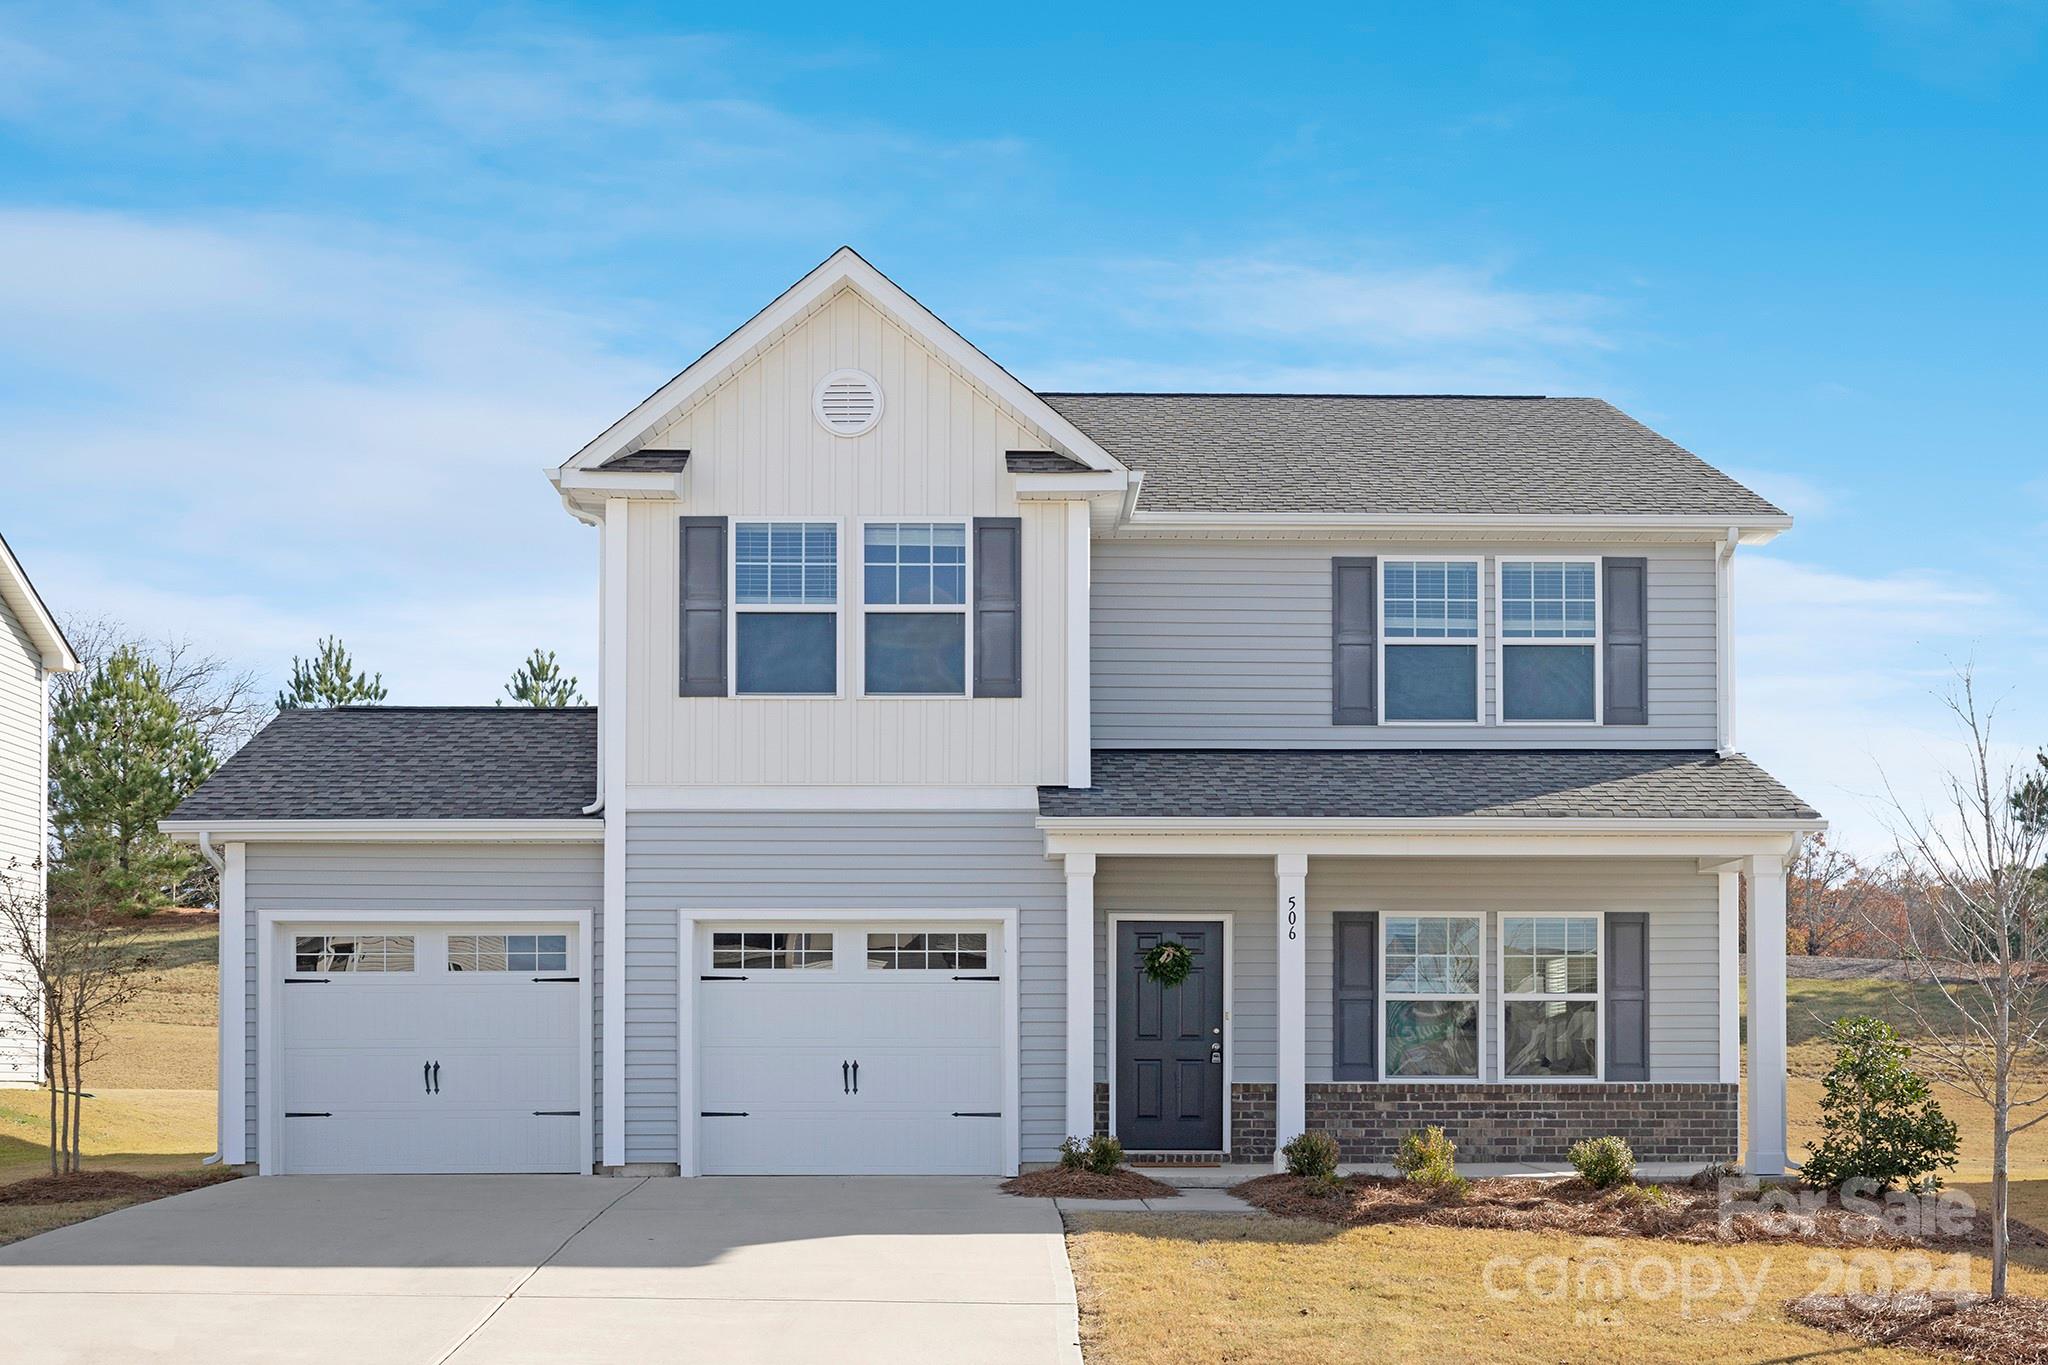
{"x":1308,"y":784}
{"x":1247,"y":452}
{"x":408,"y":763}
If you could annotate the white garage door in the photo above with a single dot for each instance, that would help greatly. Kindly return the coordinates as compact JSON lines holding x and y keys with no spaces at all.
{"x":412,"y":1048}
{"x":851,"y":1049}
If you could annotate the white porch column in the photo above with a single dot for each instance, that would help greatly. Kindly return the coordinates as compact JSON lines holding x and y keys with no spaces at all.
{"x":1080,"y":994}
{"x":1290,"y":872}
{"x":1767,"y":1137}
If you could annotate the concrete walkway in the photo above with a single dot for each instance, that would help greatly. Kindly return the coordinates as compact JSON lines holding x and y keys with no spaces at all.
{"x":491,"y":1270}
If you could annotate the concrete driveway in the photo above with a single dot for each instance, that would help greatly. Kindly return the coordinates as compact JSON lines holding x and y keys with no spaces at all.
{"x":480,"y":1270}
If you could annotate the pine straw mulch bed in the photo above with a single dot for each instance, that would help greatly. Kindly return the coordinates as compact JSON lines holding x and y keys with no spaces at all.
{"x":84,"y":1187}
{"x":1959,"y":1326}
{"x":1062,"y":1182}
{"x":1690,"y":1213}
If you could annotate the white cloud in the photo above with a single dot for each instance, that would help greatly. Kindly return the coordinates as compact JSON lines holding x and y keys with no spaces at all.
{"x":1840,"y":679}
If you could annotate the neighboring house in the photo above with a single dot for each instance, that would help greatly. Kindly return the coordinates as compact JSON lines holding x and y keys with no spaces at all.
{"x":931,"y":704}
{"x":32,"y":647}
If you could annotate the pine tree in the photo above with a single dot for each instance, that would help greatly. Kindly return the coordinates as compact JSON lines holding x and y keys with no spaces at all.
{"x":121,"y":758}
{"x":330,"y":679}
{"x":540,"y":682}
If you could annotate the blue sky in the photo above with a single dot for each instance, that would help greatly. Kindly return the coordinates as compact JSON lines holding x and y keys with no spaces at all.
{"x":296,"y":303}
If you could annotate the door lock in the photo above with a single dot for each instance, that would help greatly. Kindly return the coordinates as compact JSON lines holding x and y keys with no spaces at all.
{"x":1216,"y":1053}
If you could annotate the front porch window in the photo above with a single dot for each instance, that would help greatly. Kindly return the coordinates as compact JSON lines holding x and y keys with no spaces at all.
{"x":1550,"y":996}
{"x":1430,"y":1020}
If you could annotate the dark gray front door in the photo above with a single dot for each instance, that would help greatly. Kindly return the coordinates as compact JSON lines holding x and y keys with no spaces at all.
{"x":1169,"y":1041}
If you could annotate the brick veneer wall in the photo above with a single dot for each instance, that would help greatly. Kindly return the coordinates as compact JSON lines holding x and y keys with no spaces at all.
{"x":1661,"y":1121}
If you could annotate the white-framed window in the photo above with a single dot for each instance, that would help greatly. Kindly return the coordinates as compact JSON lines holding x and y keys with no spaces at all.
{"x":917,"y":950}
{"x":1431,"y":968}
{"x":327,"y":953}
{"x":785,"y":599}
{"x":1551,"y":976}
{"x":914,"y":589}
{"x":769,"y":950}
{"x":508,"y":952}
{"x":1429,"y":641}
{"x":1549,"y":614}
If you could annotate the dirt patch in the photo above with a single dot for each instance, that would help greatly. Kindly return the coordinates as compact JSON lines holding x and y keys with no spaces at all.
{"x":1681,"y":1213}
{"x":1062,"y":1182}
{"x":83,"y":1187}
{"x":2013,"y":1331}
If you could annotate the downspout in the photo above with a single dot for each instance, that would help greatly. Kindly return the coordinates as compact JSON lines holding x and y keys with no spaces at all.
{"x":1724,"y":633}
{"x":219,"y":866}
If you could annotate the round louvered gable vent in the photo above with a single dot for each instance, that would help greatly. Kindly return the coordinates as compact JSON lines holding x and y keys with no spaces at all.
{"x":848,"y":403}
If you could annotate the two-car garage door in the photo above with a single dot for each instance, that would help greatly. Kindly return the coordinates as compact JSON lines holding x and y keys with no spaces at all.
{"x":421,"y":1048}
{"x":851,"y":1048}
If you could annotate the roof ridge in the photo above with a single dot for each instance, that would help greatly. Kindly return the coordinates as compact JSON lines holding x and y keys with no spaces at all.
{"x":1259,"y":393}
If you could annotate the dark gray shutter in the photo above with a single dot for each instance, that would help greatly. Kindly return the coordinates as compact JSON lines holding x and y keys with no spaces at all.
{"x":701,"y":630}
{"x":1354,"y":996}
{"x":1626,"y":610}
{"x":1354,"y":631}
{"x":998,"y":607}
{"x":1628,"y":996}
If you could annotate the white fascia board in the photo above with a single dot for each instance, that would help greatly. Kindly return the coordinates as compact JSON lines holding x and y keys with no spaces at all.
{"x":842,"y":268}
{"x":387,"y":831}
{"x":1474,"y":837}
{"x":1067,"y":487}
{"x":619,"y":483}
{"x":1473,"y":525}
{"x":27,"y":605}
{"x":829,"y":798}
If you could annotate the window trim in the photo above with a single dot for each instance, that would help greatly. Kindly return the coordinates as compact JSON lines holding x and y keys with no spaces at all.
{"x":1388,"y":996}
{"x":1501,"y":642}
{"x":734,"y":607}
{"x":1598,"y":998}
{"x":1477,"y":643}
{"x":965,"y":609}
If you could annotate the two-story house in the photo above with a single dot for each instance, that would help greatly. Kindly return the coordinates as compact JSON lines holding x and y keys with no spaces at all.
{"x":32,"y":647}
{"x":930,"y":706}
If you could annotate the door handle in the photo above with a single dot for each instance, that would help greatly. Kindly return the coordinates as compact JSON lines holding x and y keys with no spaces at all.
{"x":437,"y":1078}
{"x":856,"y":1078}
{"x":427,"y":1077}
{"x":844,"y":1088}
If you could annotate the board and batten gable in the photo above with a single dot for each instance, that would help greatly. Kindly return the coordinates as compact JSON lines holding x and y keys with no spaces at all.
{"x":1215,"y":643}
{"x":757,"y":452}
{"x":22,"y":747}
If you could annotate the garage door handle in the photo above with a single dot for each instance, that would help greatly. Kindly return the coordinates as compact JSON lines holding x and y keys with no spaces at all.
{"x":437,"y":1078}
{"x":844,"y":1088}
{"x":427,"y":1077}
{"x":856,"y":1078}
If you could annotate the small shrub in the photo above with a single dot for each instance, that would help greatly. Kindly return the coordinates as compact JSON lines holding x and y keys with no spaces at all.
{"x":1429,"y":1158}
{"x":1074,"y":1154}
{"x":1878,"y":1120}
{"x":1312,"y":1156}
{"x":1604,"y":1162}
{"x":1101,"y":1154}
{"x":1654,"y":1195}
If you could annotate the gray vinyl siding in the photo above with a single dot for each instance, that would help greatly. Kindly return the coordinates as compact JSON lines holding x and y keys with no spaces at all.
{"x":1173,"y":888}
{"x":1226,"y":644}
{"x":879,"y":860}
{"x":414,"y":881}
{"x":1684,"y":920}
{"x":1681,"y":902}
{"x":21,"y":803}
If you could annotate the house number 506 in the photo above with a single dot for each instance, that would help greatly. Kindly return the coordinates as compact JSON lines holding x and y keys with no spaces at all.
{"x":1292,"y":918}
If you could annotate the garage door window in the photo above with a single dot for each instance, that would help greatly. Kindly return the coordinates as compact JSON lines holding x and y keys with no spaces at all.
{"x":508,"y":952}
{"x":927,"y":952}
{"x":772,"y":951}
{"x":353,"y":952}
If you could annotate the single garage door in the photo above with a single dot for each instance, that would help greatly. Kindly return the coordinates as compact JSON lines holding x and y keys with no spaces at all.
{"x":414,"y":1048}
{"x":851,"y":1049}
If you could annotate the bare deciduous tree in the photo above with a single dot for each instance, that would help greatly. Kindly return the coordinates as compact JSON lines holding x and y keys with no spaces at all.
{"x":62,"y":980}
{"x":1978,"y":936}
{"x":223,"y":703}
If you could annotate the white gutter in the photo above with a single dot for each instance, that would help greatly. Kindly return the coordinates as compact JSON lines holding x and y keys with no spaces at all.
{"x":1467,"y":824}
{"x":556,"y":831}
{"x":1752,"y":531}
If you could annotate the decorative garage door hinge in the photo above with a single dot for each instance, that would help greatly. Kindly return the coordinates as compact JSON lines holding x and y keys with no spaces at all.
{"x":307,"y":1114}
{"x":721,"y":1113}
{"x":557,"y":1113}
{"x":721,"y":978}
{"x":977,"y":1113}
{"x":558,"y":980}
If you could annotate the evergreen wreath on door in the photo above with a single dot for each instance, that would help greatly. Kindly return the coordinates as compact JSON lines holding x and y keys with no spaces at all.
{"x":1168,"y":962}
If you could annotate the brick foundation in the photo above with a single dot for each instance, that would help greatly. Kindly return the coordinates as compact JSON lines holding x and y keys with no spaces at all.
{"x":1669,"y":1122}
{"x":1252,"y":1106}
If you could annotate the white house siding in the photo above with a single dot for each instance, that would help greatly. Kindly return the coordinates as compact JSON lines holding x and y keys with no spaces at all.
{"x":417,"y":881}
{"x":1681,"y":903}
{"x":21,"y":803}
{"x":878,"y":860}
{"x":1226,"y":644}
{"x":937,"y":453}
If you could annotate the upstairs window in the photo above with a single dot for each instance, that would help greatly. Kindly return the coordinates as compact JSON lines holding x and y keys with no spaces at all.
{"x":1429,"y":641}
{"x":914,"y":586}
{"x":786,"y":599}
{"x":1549,"y":641}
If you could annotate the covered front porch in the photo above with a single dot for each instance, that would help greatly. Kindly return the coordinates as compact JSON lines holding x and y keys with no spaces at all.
{"x":1524,"y":981}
